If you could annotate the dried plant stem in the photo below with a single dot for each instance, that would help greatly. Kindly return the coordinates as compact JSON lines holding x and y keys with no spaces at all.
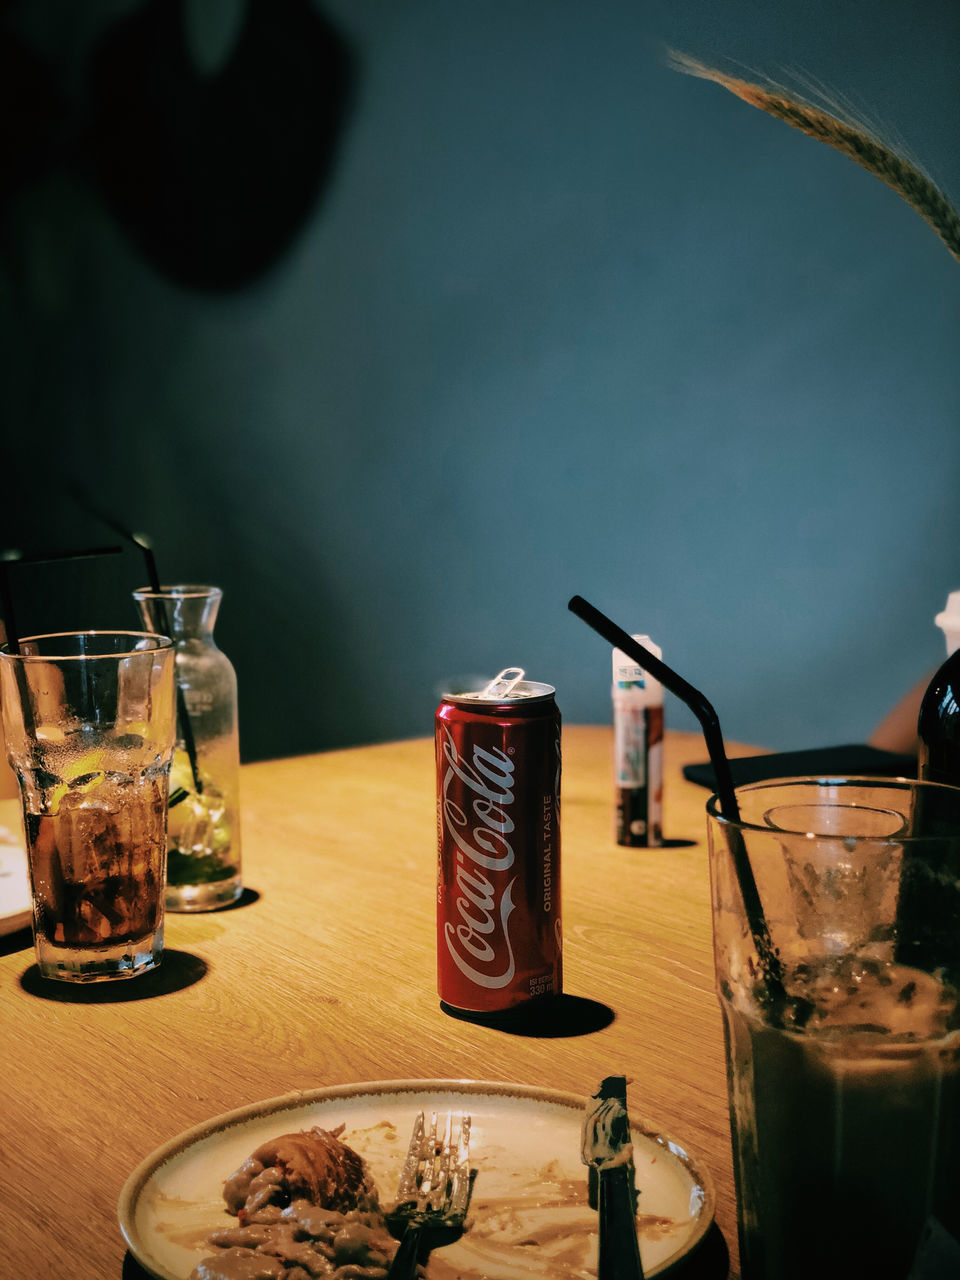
{"x":904,"y":177}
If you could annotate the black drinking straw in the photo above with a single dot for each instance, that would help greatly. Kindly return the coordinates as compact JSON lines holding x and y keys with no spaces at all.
{"x":6,"y":606}
{"x":186,"y":728}
{"x":12,"y":639}
{"x":695,"y":700}
{"x":43,"y":557}
{"x":729,"y":809}
{"x":140,"y":540}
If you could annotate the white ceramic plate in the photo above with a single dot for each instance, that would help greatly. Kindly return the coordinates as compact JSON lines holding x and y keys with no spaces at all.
{"x":528,"y":1215}
{"x":16,"y":908}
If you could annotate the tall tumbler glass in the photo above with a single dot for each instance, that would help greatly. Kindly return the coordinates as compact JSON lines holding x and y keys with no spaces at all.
{"x":844,"y":1091}
{"x":89,"y":720}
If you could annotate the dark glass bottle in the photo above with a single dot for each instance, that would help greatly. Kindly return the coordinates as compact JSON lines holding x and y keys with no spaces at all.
{"x":938,"y":725}
{"x":924,"y":881}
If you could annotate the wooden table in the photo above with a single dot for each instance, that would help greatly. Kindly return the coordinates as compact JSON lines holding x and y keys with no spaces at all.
{"x":325,"y":974}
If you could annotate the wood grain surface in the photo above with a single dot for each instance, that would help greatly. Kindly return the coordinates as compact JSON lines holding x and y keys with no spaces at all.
{"x":325,"y":973}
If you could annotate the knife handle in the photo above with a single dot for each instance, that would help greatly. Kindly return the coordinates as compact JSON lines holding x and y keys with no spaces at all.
{"x":404,"y":1264}
{"x":617,"y":1227}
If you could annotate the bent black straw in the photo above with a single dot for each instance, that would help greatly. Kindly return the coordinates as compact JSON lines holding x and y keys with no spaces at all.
{"x":11,"y":630}
{"x":729,"y":809}
{"x":153,"y":577}
{"x":42,"y":557}
{"x":186,"y":726}
{"x":12,"y":636}
{"x":693,"y":698}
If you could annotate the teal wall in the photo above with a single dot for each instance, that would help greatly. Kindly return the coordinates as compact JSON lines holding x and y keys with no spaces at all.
{"x":562,"y":321}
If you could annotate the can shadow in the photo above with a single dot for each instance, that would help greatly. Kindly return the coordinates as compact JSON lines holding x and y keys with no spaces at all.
{"x":552,"y":1018}
{"x":176,"y":971}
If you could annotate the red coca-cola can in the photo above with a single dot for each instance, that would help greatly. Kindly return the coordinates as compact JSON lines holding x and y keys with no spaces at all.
{"x":498,"y":845}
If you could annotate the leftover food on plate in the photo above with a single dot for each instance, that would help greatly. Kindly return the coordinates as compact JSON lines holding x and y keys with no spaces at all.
{"x":306,"y":1205}
{"x":529,"y":1215}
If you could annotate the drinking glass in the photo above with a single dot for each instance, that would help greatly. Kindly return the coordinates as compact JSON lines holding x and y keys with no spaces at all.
{"x":89,"y":722}
{"x":844,"y":1081}
{"x":203,"y":834}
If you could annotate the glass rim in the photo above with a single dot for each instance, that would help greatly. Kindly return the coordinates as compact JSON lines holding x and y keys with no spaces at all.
{"x":178,"y":591}
{"x":898,"y":783}
{"x":161,"y":643}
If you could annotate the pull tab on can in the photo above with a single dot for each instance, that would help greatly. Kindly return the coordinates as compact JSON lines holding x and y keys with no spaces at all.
{"x":503,"y":685}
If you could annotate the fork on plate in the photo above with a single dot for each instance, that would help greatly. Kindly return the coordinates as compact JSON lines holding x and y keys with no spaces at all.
{"x":433,"y":1191}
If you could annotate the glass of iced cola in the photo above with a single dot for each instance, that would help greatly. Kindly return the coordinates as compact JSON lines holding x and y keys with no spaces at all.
{"x":844,"y":1067}
{"x":89,"y":719}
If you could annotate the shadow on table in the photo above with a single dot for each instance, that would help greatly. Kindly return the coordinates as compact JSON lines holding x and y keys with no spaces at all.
{"x":550,"y":1019}
{"x":22,"y":939}
{"x":177,"y":970}
{"x":710,"y":1261}
{"x":247,"y":898}
{"x":16,"y":940}
{"x":132,"y":1269}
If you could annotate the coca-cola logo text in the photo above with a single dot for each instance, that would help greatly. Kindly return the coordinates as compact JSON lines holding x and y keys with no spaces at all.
{"x":480,"y":944}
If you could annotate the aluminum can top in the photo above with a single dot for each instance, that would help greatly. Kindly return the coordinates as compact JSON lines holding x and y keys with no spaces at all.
{"x":508,"y":689}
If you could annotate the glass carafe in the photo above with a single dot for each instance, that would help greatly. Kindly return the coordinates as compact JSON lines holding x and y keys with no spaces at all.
{"x":203,"y":838}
